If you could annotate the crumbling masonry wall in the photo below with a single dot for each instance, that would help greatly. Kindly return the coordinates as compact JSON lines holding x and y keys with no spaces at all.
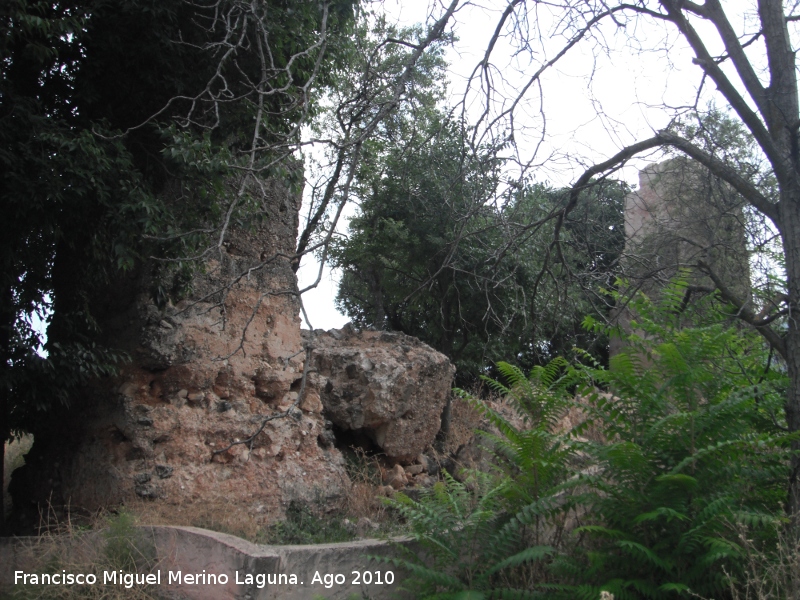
{"x":682,"y":216}
{"x":214,"y":368}
{"x":203,"y":373}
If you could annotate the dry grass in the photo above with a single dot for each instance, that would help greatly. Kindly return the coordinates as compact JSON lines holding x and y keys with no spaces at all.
{"x":118,"y":546}
{"x":363,"y":499}
{"x":771,"y":573}
{"x":241,"y":521}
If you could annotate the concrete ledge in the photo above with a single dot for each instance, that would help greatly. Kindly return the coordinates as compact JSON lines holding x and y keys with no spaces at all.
{"x":198,"y":564}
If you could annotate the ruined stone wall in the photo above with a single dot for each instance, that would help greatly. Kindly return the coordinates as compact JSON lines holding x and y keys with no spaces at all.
{"x":203,"y":373}
{"x":679,"y":216}
{"x":387,"y":386}
{"x":208,"y":371}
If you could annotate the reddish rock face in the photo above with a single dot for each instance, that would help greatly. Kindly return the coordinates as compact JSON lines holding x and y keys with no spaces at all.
{"x":390,"y":386}
{"x":209,"y":370}
{"x":203,"y":374}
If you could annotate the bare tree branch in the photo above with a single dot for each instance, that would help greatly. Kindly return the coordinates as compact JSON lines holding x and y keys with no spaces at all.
{"x":744,"y":312}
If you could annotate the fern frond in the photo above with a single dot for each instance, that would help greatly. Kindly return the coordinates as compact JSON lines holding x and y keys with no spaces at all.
{"x":674,"y":587}
{"x":527,"y":555}
{"x":637,"y":549}
{"x":667,"y":513}
{"x":600,"y":530}
{"x":422,"y":573}
{"x":687,"y":482}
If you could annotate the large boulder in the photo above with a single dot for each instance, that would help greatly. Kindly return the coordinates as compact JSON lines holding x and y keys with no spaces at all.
{"x":389,"y":386}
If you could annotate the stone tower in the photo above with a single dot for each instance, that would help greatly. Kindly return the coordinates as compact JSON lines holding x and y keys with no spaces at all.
{"x":680,"y":216}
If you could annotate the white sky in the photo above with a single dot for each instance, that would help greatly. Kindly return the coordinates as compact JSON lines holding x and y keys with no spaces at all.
{"x":599,"y":97}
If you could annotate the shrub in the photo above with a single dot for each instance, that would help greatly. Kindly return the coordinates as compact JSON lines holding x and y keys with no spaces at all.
{"x":119,"y":547}
{"x":303,"y":526}
{"x":691,"y":449}
{"x":496,"y":531}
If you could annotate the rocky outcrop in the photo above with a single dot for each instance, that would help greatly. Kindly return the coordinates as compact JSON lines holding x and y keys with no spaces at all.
{"x":389,"y":386}
{"x":203,"y":373}
{"x":214,"y":369}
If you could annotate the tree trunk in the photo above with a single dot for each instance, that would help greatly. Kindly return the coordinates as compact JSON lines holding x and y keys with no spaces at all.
{"x":3,"y":484}
{"x":7,"y":314}
{"x":3,"y":428}
{"x":790,"y":219}
{"x":378,"y":317}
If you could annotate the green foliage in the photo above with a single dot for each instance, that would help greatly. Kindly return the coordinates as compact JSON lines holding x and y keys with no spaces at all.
{"x":127,"y":547}
{"x":685,"y":448}
{"x":468,"y":541}
{"x":495,"y":532}
{"x":535,"y":458}
{"x":693,"y":448}
{"x":303,"y":526}
{"x":435,"y":253}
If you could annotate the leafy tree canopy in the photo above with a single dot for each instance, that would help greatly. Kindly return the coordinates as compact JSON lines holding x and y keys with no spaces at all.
{"x":431,"y":254}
